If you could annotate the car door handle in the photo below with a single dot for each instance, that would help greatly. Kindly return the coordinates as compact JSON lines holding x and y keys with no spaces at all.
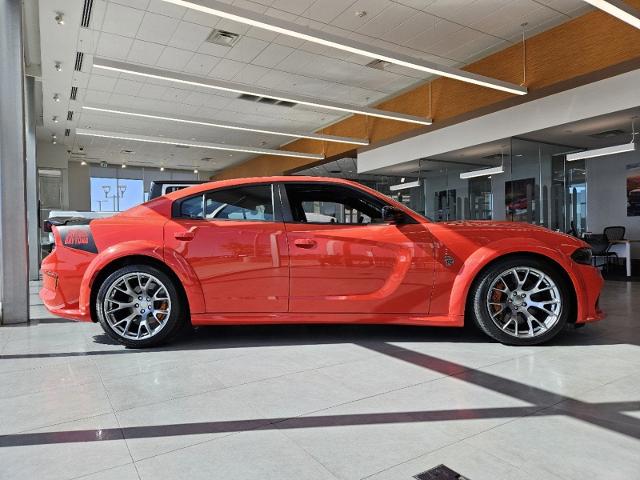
{"x":187,"y":235}
{"x":305,"y":243}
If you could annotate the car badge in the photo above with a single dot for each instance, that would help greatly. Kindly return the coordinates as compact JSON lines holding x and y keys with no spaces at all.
{"x":448,"y":260}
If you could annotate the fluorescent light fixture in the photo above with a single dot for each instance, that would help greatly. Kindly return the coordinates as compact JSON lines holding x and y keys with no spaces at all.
{"x":284,"y":27}
{"x":182,"y":143}
{"x":599,"y":152}
{"x":618,"y":9}
{"x":482,"y":173}
{"x":403,"y":186}
{"x":231,"y":126}
{"x":195,"y":81}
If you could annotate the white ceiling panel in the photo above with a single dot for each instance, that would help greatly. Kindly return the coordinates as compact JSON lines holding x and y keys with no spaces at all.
{"x":162,"y":35}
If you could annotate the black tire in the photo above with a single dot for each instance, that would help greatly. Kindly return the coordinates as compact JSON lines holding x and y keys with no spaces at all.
{"x":173,"y":325}
{"x":479,"y":296}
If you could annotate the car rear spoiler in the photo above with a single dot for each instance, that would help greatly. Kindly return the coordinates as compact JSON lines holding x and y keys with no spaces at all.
{"x":64,"y":221}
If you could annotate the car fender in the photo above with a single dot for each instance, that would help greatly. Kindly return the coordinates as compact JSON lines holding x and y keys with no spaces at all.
{"x":500,"y":248}
{"x":170,"y":258}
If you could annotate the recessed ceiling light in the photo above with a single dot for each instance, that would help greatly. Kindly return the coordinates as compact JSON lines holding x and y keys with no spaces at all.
{"x":360,"y":13}
{"x":195,"y":170}
{"x":124,"y":165}
{"x":276,"y":25}
{"x":55,"y":119}
{"x":83,"y":162}
{"x":195,"y":81}
{"x":162,"y":169}
{"x":182,"y":143}
{"x":59,"y":18}
{"x":56,"y":97}
{"x":58,"y":66}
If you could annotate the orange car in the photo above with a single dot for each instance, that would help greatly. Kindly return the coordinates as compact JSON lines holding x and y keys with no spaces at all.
{"x":313,"y":250}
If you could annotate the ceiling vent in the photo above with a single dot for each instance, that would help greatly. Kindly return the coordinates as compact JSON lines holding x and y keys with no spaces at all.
{"x":79,"y":58}
{"x":266,"y":100}
{"x":607,"y":134}
{"x":67,"y":132}
{"x":86,"y":13}
{"x":127,"y":152}
{"x":74,"y":93}
{"x":378,"y":64}
{"x":206,"y":159}
{"x":70,"y":115}
{"x":222,"y":37}
{"x":182,"y":146}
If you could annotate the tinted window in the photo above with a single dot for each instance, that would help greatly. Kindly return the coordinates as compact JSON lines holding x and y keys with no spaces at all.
{"x":320,"y":203}
{"x":252,"y":202}
{"x":191,"y":207}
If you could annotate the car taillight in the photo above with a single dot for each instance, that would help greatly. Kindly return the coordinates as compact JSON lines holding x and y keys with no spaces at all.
{"x":582,"y":256}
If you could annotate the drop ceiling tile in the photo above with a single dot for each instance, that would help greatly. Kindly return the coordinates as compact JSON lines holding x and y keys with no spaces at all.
{"x":139,"y":4}
{"x":411,"y":28}
{"x":250,"y":74}
{"x":201,"y":64}
{"x":272,"y":55}
{"x":122,"y":20}
{"x":261,"y":34}
{"x":200,"y":18}
{"x":174,"y":58}
{"x":88,"y":41}
{"x":102,"y":83}
{"x":153,"y":91}
{"x":213,"y":49}
{"x":189,"y":36}
{"x":113,"y":46}
{"x":157,"y":28}
{"x":231,"y":26}
{"x":97,"y":97}
{"x":226,"y":69}
{"x":326,"y":10}
{"x":292,"y":6}
{"x":145,"y":52}
{"x":392,"y":16}
{"x":127,"y":87}
{"x":165,"y":8}
{"x":246,"y":49}
{"x":417,"y":4}
{"x":97,"y":15}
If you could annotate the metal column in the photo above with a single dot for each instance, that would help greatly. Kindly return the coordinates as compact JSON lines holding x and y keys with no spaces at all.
{"x":14,"y":284}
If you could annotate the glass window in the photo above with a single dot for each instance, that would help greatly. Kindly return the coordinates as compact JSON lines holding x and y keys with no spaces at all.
{"x":312,"y":203}
{"x":115,"y":194}
{"x":253,"y":202}
{"x":191,"y":207}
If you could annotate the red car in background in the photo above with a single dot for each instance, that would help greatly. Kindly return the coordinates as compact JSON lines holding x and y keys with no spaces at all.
{"x":313,"y":250}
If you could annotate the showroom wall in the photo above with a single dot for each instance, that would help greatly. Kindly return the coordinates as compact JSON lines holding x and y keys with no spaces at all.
{"x":607,"y":195}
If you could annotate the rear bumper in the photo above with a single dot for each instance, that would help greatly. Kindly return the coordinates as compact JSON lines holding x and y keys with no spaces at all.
{"x":61,"y":284}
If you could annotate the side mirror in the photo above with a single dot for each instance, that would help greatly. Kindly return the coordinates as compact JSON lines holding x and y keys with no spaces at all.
{"x":392,"y":215}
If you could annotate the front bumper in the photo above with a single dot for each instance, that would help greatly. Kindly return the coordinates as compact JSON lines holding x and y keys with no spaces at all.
{"x":588,"y":294}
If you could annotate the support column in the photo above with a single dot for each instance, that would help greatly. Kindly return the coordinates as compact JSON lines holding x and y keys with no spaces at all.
{"x":33,"y":210}
{"x":14,"y":284}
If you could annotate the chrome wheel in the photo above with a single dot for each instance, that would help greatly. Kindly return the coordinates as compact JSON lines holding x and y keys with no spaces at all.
{"x":137,"y":306}
{"x":524,"y":302}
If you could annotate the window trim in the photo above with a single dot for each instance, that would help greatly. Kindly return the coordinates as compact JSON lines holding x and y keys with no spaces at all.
{"x":288,"y":213}
{"x":176,"y":207}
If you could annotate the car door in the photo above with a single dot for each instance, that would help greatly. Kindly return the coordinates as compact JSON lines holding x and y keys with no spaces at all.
{"x":234,"y":240}
{"x":345,"y":259}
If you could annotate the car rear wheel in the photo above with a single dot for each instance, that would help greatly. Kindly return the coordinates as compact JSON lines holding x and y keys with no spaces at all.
{"x":521,"y":301}
{"x":139,"y":306}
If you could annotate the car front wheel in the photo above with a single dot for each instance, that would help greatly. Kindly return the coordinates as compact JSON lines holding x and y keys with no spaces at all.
{"x":521,"y":301}
{"x":139,"y":306}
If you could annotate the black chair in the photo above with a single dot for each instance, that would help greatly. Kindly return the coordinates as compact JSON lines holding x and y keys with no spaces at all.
{"x":601,"y":244}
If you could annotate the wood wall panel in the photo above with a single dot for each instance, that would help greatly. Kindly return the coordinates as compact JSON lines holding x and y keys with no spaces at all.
{"x":592,"y":44}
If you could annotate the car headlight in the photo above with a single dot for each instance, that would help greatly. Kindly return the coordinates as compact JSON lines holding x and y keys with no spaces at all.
{"x":582,"y":256}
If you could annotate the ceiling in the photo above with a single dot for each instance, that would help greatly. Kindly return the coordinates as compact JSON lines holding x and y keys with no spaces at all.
{"x":611,"y":129}
{"x":159,"y":34}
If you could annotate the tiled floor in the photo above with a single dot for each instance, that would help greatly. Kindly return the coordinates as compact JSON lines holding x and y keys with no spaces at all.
{"x":322,"y":402}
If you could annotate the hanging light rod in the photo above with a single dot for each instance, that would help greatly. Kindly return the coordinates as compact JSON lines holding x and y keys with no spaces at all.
{"x":618,"y":9}
{"x":485,"y":172}
{"x":228,"y":125}
{"x":404,"y":185}
{"x":601,"y":152}
{"x":195,"y":81}
{"x":284,"y":27}
{"x":195,"y":144}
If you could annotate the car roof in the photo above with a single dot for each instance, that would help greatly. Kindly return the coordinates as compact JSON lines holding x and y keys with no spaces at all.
{"x":251,"y":180}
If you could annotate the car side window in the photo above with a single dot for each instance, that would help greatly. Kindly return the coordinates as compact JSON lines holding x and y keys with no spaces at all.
{"x":321,"y":203}
{"x":250,"y":202}
{"x":191,"y":207}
